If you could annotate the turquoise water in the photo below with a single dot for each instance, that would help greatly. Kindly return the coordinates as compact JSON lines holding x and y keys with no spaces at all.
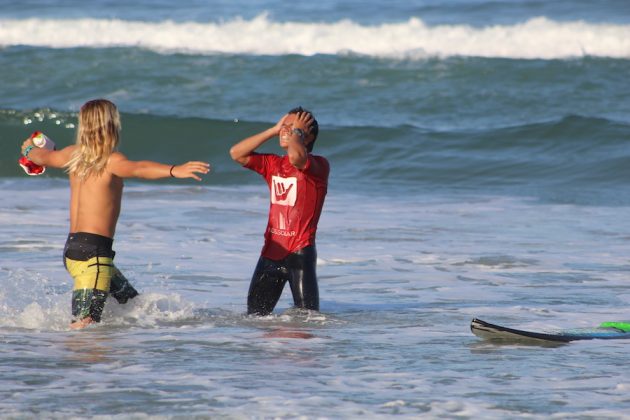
{"x":479,"y":169}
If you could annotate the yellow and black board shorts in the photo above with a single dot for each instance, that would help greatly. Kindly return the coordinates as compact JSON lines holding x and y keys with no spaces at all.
{"x":89,"y":259}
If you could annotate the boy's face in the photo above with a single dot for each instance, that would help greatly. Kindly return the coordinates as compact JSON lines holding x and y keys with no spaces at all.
{"x":287,"y":130}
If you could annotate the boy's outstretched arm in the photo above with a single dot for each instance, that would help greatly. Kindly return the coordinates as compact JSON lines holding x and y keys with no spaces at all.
{"x":120,"y":166}
{"x":242,"y":150}
{"x":45,"y":157}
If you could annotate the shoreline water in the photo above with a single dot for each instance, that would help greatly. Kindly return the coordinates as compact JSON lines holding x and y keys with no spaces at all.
{"x":460,"y":187}
{"x":395,"y":310}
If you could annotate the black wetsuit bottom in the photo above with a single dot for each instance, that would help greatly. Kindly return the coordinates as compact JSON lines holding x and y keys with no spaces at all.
{"x":270,"y":277}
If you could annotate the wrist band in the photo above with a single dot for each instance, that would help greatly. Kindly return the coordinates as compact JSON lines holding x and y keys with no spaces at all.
{"x":28,"y":150}
{"x":171,"y":171}
{"x":299,"y":132}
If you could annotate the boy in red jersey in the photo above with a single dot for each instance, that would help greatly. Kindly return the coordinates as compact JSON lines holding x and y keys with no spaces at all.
{"x":298,"y":182}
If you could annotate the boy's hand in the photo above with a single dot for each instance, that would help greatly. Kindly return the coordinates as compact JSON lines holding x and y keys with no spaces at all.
{"x":279,"y":124}
{"x":190,"y":170}
{"x":27,"y":142}
{"x":303,"y":121}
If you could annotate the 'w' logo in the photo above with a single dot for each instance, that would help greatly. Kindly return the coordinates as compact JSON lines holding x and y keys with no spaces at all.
{"x":284,"y":190}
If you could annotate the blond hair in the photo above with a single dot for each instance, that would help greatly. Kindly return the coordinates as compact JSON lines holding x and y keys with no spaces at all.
{"x":98,"y":136}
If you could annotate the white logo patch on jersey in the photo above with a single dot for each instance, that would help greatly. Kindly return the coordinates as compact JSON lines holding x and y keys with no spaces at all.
{"x":283,"y":190}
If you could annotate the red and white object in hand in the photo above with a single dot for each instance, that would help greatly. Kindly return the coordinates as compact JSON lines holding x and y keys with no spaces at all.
{"x":39,"y":140}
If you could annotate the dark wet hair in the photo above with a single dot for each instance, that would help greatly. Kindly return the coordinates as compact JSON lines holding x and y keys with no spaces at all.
{"x":314,"y":126}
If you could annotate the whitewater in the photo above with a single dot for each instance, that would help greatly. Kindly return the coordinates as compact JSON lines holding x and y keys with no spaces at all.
{"x":536,"y":38}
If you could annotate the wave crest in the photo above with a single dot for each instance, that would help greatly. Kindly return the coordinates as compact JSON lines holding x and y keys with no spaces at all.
{"x":537,"y":38}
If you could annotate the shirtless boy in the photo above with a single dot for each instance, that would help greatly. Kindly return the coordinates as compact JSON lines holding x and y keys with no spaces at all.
{"x":298,"y":182}
{"x":96,"y":171}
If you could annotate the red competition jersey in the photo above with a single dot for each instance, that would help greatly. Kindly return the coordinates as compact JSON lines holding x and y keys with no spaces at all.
{"x":297,"y":198}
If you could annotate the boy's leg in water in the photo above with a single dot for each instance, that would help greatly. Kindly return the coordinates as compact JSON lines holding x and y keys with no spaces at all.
{"x":303,"y":278}
{"x":91,"y":286}
{"x":89,"y":259}
{"x":266,"y":287}
{"x":120,"y":288}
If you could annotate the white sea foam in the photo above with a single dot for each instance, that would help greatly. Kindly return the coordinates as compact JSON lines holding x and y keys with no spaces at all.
{"x":53,"y":314}
{"x":536,"y":38}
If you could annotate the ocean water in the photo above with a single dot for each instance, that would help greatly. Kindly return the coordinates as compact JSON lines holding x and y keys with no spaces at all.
{"x":480,"y":167}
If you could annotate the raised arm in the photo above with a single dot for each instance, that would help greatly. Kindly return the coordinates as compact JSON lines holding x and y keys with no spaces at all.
{"x":242,"y":150}
{"x":120,"y":166}
{"x":298,"y":138}
{"x":45,"y":157}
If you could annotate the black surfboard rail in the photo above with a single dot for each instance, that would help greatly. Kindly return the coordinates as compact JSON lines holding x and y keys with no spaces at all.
{"x":489,"y":331}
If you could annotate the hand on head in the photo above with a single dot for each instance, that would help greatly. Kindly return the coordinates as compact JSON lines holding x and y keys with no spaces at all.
{"x":300,"y":120}
{"x":303,"y":121}
{"x":280,"y":123}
